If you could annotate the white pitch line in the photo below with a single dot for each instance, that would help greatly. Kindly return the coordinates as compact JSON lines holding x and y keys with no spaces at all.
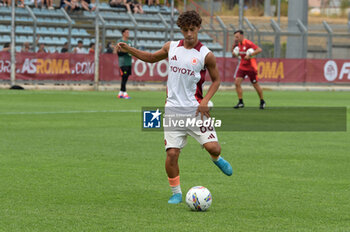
{"x":72,"y":112}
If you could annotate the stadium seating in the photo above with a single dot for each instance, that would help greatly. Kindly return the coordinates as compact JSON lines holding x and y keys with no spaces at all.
{"x":52,"y":27}
{"x":5,"y":29}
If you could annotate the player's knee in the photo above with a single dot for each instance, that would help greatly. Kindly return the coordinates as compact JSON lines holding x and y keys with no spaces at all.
{"x":213,"y":149}
{"x":172,"y":154}
{"x":237,"y":84}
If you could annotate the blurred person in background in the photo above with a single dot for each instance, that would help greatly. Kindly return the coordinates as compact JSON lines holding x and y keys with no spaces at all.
{"x":42,"y":48}
{"x":152,"y":2}
{"x":19,"y":3}
{"x":133,"y":6}
{"x":247,"y":68}
{"x":129,"y":5}
{"x":83,"y":4}
{"x":26,"y":47}
{"x":42,"y":4}
{"x":109,"y":47}
{"x":64,"y":49}
{"x":125,"y":61}
{"x":79,"y":49}
{"x":92,"y":48}
{"x":70,"y":5}
{"x":137,"y":7}
{"x":91,"y":4}
{"x":117,"y":3}
{"x":6,"y":47}
{"x":66,"y":5}
{"x":49,"y":4}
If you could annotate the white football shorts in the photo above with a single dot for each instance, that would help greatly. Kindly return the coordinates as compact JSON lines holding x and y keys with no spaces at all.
{"x":178,"y":138}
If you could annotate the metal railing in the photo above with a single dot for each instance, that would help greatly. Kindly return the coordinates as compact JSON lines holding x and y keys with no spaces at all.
{"x":272,"y":35}
{"x":70,"y":22}
{"x":34,"y":26}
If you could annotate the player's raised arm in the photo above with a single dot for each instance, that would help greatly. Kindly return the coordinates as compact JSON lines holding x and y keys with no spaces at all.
{"x":161,"y":54}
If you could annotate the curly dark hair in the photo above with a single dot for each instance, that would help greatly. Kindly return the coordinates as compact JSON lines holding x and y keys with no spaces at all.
{"x":189,"y":18}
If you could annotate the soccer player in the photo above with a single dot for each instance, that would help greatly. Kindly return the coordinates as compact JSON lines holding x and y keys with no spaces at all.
{"x":124,"y":64}
{"x":188,"y":59}
{"x":247,"y":67}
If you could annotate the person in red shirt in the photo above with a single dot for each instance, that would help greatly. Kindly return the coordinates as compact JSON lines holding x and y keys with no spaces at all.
{"x":247,"y":67}
{"x":92,"y":48}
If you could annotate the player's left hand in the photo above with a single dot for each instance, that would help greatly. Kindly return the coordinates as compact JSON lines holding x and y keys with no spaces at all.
{"x":121,"y":47}
{"x":203,"y":109}
{"x":247,"y":57}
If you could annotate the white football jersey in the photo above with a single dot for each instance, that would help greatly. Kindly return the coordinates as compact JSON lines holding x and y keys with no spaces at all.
{"x":186,"y":74}
{"x":81,"y":50}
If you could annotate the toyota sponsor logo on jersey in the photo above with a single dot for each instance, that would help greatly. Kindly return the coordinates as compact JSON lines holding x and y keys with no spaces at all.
{"x":330,"y":71}
{"x":187,"y":71}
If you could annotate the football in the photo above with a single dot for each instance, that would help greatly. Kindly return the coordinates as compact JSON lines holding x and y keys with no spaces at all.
{"x":198,"y":198}
{"x":236,"y":51}
{"x":250,"y":51}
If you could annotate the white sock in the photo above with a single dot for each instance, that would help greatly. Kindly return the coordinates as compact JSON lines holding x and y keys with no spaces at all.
{"x":176,"y":189}
{"x":121,"y":93}
{"x":125,"y":93}
{"x":215,"y":159}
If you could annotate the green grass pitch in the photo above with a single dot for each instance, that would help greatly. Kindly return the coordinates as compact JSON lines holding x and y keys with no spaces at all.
{"x":78,"y":161}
